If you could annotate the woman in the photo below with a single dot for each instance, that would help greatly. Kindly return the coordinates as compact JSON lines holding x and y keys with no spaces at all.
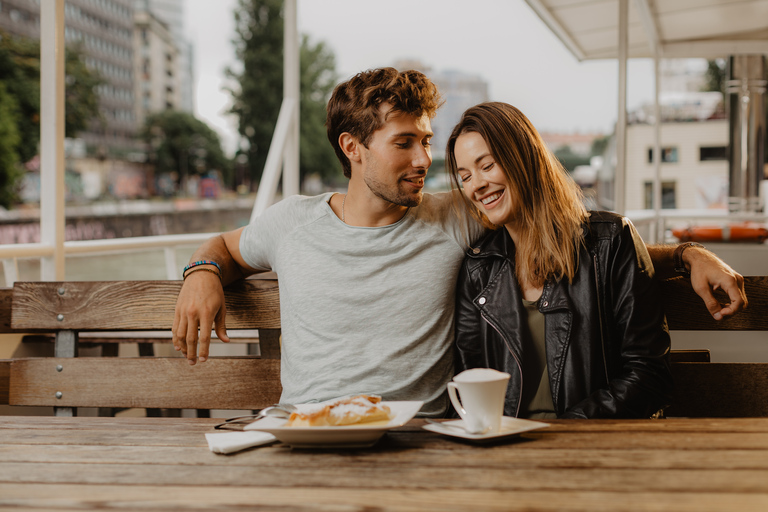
{"x":562,"y":299}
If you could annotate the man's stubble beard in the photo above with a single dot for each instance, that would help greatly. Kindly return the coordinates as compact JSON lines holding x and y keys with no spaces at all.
{"x":397,"y":197}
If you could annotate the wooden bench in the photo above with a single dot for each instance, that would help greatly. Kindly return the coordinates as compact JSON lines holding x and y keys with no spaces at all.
{"x":705,"y":389}
{"x":71,"y":309}
{"x":67,"y":381}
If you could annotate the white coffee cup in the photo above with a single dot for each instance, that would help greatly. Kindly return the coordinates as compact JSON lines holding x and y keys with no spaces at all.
{"x":482,"y":392}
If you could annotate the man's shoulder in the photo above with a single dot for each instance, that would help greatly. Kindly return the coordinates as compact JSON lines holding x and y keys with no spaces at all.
{"x":300,"y":201}
{"x":299,"y":207}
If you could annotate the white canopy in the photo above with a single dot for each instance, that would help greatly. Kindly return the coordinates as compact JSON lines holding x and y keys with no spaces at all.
{"x":678,"y":28}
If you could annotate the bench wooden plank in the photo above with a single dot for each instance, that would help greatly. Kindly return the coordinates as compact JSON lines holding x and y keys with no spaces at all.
{"x":720,"y":390}
{"x":5,"y":378}
{"x":683,"y":356}
{"x":686,"y":312}
{"x":168,"y":383}
{"x":99,"y":337}
{"x":6,"y":297}
{"x":132,"y":305}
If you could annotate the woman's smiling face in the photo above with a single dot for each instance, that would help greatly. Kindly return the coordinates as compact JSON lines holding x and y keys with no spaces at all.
{"x":483,"y":180}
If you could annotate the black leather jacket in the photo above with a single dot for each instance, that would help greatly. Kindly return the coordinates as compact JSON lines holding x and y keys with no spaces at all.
{"x":606,"y":336}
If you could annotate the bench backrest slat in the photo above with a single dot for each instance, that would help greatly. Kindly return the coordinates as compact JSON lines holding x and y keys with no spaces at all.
{"x":219,"y":383}
{"x":686,"y":312}
{"x":719,"y":390}
{"x":132,"y":305}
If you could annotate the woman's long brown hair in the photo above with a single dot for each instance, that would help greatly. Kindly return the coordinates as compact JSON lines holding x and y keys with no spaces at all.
{"x":550,"y":211}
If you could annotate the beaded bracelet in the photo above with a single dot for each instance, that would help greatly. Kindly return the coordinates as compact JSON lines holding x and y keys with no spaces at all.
{"x":192,"y":270}
{"x":201,"y":262}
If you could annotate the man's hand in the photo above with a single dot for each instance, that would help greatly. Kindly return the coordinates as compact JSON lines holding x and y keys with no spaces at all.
{"x":200,"y":307}
{"x":708,"y":273}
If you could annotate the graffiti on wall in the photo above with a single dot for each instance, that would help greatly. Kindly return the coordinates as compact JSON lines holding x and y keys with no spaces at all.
{"x":79,"y":230}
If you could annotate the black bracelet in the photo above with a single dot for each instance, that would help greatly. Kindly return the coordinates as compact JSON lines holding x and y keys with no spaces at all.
{"x":677,"y":257}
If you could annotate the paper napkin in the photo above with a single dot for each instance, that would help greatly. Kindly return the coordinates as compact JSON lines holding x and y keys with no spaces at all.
{"x":230,"y":442}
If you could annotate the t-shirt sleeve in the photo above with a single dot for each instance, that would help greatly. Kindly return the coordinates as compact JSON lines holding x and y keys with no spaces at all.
{"x":261,"y":238}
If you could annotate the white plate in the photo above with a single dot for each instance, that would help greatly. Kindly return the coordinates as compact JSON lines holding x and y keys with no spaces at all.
{"x":350,"y":436}
{"x":509,"y":427}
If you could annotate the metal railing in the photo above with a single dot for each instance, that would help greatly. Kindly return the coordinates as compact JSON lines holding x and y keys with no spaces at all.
{"x":167,"y":243}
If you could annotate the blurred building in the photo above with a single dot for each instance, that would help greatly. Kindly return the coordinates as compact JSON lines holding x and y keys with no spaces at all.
{"x":20,"y":18}
{"x":171,"y":12}
{"x":694,"y":164}
{"x":694,"y":146}
{"x":158,"y":84}
{"x":104,"y":30}
{"x":459,"y":91}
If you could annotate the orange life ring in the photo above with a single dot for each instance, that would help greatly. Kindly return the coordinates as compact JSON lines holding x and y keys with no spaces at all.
{"x":742,"y":232}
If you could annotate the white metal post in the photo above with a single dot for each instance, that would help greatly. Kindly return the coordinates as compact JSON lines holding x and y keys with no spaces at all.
{"x":291,"y":90}
{"x":659,"y":229}
{"x":52,"y":137}
{"x":619,"y":203}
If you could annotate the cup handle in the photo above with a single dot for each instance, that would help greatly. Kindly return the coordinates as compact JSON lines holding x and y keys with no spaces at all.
{"x":455,"y":401}
{"x":471,"y":425}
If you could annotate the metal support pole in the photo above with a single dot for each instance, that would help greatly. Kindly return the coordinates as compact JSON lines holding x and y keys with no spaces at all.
{"x":52,"y":137}
{"x":66,"y":346}
{"x":291,"y":90}
{"x":619,"y":203}
{"x":659,"y":230}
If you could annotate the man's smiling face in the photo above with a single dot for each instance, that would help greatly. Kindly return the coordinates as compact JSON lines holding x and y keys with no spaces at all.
{"x":397,"y":158}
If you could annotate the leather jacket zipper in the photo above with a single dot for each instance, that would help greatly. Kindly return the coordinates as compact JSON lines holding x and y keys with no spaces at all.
{"x":600,"y":318}
{"x":519,"y":367}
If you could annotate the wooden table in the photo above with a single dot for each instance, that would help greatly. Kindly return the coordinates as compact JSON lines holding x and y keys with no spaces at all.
{"x":51,"y":463}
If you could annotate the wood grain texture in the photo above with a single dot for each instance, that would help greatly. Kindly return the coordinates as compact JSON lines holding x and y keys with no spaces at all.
{"x":686,"y":312}
{"x":219,"y":383}
{"x":5,"y":380}
{"x":574,"y":465}
{"x":329,"y":498}
{"x":6,"y":297}
{"x":132,"y":305}
{"x":720,"y":390}
{"x":697,"y":355}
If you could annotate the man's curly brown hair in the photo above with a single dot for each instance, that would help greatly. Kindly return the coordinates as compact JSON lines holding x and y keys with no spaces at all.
{"x":354,"y":104}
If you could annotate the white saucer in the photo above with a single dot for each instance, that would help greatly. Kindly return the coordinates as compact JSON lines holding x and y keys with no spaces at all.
{"x":509,"y":427}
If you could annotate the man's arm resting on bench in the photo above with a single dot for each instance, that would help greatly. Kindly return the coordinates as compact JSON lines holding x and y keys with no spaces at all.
{"x":708,"y":273}
{"x":200,"y":306}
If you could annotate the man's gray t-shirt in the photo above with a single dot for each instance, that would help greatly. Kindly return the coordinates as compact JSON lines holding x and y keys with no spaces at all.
{"x":363,"y":309}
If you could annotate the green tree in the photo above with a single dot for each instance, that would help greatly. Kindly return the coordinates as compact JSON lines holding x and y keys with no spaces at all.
{"x":259,"y":46}
{"x":184,"y":145}
{"x":569,"y":159}
{"x":10,"y":170}
{"x":714,"y":78}
{"x":20,"y":72}
{"x":318,"y":78}
{"x":80,"y":94}
{"x":599,"y":145}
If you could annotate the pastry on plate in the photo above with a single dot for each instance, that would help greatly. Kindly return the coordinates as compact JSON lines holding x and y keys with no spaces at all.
{"x":344,"y":411}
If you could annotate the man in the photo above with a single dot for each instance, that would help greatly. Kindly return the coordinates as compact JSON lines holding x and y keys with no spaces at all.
{"x":367,"y":278}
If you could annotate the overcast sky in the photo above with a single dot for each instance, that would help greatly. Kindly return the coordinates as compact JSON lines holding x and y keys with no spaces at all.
{"x":502,"y":41}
